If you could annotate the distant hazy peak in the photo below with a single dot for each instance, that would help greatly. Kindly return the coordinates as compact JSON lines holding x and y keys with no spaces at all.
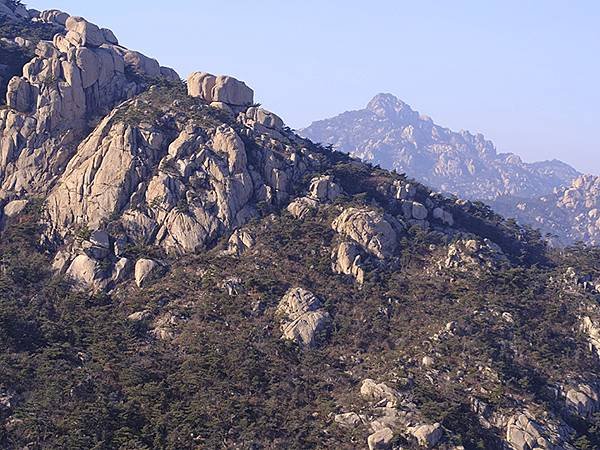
{"x":390,"y":107}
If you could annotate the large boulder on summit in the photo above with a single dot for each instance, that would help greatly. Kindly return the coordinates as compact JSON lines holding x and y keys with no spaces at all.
{"x":54,"y":16}
{"x":302,"y":316}
{"x":142,"y":64}
{"x":221,"y":88}
{"x":80,"y":32}
{"x":370,"y":228}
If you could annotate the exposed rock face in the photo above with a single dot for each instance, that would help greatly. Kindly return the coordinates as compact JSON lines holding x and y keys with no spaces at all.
{"x":583,"y":400}
{"x":15,"y":207}
{"x":324,"y":189}
{"x":427,"y":435}
{"x":219,"y":89}
{"x":369,"y":228}
{"x":78,"y":76}
{"x":373,"y":391}
{"x":302,"y":316}
{"x":347,"y":260}
{"x":570,"y":213}
{"x":84,"y":272}
{"x":82,"y":33}
{"x":300,"y":207}
{"x":239,"y":242}
{"x":144,"y":270}
{"x":179,"y":194}
{"x":470,"y":254}
{"x":389,"y":133}
{"x":349,"y":420}
{"x":592,"y":329}
{"x":381,"y":439}
{"x":524,"y":432}
{"x":265,"y":118}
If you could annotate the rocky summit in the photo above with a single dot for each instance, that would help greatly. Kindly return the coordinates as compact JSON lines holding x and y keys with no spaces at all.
{"x":180,"y":270}
{"x":388,"y":132}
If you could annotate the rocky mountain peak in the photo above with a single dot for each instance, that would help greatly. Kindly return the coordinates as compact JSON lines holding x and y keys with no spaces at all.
{"x":390,"y":107}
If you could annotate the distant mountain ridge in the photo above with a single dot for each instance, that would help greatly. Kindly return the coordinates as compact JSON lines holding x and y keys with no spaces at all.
{"x":390,"y":133}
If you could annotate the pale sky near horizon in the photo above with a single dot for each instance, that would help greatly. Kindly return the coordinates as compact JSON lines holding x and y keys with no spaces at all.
{"x":524,"y":73}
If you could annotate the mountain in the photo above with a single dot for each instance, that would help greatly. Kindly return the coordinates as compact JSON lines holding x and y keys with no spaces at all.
{"x":569,"y":214}
{"x":180,"y":270}
{"x":390,"y":133}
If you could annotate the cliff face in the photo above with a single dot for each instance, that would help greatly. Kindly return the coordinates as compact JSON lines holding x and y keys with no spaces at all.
{"x":181,"y":270}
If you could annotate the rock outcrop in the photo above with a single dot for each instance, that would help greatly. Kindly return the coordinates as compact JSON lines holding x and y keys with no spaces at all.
{"x":347,"y":259}
{"x":80,"y":75}
{"x":466,"y":255}
{"x":302,"y":317}
{"x":220,"y":88}
{"x":371,"y":229}
{"x":376,"y":392}
{"x":145,"y":269}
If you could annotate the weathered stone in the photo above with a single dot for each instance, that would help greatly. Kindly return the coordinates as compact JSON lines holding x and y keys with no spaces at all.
{"x":82,"y":33}
{"x":300,"y":207}
{"x":169,"y":74}
{"x":583,"y":400}
{"x":219,"y":89}
{"x":145,"y":269}
{"x":302,"y":317}
{"x":471,"y":254}
{"x":142,"y":64}
{"x":592,"y":330}
{"x":369,"y":228}
{"x":381,"y":439}
{"x":54,"y":16}
{"x":264,"y":118}
{"x":109,"y":36}
{"x":349,"y":420}
{"x":19,"y":94}
{"x":373,"y":391}
{"x":239,"y":242}
{"x":444,"y":216}
{"x":427,"y":435}
{"x":84,"y":272}
{"x":347,"y":260}
{"x":14,"y":208}
{"x":324,"y":189}
{"x":140,"y":316}
{"x":100,"y":238}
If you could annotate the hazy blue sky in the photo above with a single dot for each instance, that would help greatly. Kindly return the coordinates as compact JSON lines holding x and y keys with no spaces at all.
{"x":524,"y":73}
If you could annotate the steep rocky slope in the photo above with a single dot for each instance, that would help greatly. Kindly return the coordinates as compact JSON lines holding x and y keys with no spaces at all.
{"x":569,"y":214}
{"x":180,"y":270}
